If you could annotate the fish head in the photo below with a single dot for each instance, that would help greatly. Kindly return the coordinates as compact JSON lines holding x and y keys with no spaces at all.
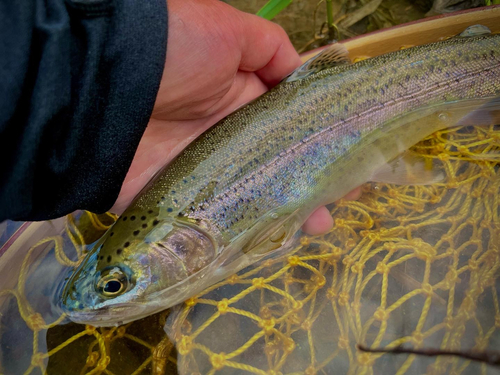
{"x":129,"y":267}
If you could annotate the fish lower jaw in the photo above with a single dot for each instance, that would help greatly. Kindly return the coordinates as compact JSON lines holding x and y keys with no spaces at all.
{"x":116,"y":315}
{"x":89,"y":319}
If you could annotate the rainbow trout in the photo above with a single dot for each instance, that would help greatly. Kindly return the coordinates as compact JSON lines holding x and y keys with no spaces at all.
{"x":242,"y":190}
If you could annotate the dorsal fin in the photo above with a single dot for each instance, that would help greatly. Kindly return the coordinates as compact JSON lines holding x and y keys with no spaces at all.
{"x":474,"y":30}
{"x":332,"y":56}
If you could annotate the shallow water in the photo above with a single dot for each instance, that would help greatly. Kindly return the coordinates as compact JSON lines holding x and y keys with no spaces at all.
{"x":416,"y":266}
{"x":29,"y":341}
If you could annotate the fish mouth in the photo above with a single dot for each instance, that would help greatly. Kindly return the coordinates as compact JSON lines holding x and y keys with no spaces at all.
{"x":108,"y":316}
{"x":103,"y":313}
{"x":82,"y":303}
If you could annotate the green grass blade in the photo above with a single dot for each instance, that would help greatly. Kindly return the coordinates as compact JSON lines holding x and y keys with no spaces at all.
{"x":272,"y":8}
{"x":329,"y":12}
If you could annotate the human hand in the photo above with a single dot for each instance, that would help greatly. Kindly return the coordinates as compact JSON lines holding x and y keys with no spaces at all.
{"x":218,"y":59}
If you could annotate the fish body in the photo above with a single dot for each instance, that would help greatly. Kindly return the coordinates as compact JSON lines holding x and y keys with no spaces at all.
{"x":243,"y":188}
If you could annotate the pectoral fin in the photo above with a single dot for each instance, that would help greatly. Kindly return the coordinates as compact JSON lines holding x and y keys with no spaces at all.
{"x":278,"y":233}
{"x":408,"y":169}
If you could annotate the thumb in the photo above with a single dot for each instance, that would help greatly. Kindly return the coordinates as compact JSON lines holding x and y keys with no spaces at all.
{"x":266,"y":49}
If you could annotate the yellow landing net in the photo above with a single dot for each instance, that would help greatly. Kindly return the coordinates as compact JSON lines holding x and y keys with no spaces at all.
{"x":415,"y":266}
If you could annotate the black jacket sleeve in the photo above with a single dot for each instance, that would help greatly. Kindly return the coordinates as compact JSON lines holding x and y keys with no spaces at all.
{"x":78,"y":81}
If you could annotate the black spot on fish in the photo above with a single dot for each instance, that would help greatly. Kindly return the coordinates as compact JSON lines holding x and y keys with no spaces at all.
{"x":136,"y":232}
{"x":132,"y":218}
{"x":112,"y":234}
{"x":150,"y":211}
{"x":173,"y":191}
{"x":119,"y":251}
{"x":101,"y":257}
{"x":109,"y":259}
{"x":143,"y":217}
{"x":144,"y":225}
{"x":155,"y":222}
{"x":162,"y":198}
{"x":126,"y":244}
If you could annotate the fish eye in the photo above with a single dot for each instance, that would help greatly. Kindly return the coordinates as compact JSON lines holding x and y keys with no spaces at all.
{"x":113,"y":286}
{"x":112,"y":283}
